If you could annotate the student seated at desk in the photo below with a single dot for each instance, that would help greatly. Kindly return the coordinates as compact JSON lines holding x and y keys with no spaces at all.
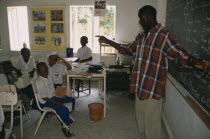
{"x":26,"y":63}
{"x":84,"y":53}
{"x":8,"y":77}
{"x":27,"y":66}
{"x":46,"y":94}
{"x":57,"y":71}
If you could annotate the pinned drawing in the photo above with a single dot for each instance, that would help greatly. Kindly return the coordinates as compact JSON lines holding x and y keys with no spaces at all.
{"x":38,"y":15}
{"x":57,"y":28}
{"x":56,"y":15}
{"x":39,"y":28}
{"x":57,"y":41}
{"x":40,"y":40}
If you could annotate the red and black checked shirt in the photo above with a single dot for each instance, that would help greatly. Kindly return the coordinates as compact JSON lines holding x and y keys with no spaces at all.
{"x":151,"y":53}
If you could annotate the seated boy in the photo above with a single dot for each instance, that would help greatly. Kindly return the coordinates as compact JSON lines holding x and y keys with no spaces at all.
{"x":26,"y":63}
{"x":47,"y":98}
{"x":57,"y":71}
{"x":7,"y":77}
{"x":27,"y":66}
{"x":84,"y":53}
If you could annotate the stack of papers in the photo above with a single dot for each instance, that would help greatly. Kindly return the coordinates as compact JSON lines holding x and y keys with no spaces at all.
{"x":81,"y":68}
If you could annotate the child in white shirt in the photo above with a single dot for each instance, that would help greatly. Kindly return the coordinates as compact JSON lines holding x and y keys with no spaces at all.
{"x":26,"y":63}
{"x":84,"y":53}
{"x":27,"y":66}
{"x":57,"y":71}
{"x":46,"y":94}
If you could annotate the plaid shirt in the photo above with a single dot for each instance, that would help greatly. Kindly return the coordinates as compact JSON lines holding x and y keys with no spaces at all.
{"x":151,"y":53}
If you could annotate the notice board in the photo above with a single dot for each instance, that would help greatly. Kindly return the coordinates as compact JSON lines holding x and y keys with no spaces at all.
{"x":48,"y":29}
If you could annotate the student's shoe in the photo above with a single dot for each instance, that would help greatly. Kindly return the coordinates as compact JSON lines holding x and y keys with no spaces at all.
{"x":71,"y":121}
{"x":67,"y":132}
{"x":2,"y":134}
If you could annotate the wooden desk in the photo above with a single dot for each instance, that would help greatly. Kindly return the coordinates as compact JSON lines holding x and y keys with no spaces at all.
{"x":94,"y":76}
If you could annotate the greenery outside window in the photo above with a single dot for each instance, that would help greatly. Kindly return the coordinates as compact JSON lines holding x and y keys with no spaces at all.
{"x":84,"y":23}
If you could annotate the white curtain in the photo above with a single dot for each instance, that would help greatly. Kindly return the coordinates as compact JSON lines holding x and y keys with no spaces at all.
{"x":18,"y":27}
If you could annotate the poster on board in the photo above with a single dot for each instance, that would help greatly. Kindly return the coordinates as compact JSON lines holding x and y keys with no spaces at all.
{"x":39,"y":15}
{"x":100,"y":8}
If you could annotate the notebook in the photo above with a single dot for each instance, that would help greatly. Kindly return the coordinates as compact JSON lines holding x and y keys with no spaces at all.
{"x":95,"y":63}
{"x":60,"y":91}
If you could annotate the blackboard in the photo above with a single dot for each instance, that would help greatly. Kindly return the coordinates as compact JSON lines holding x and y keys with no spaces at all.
{"x":189,"y":21}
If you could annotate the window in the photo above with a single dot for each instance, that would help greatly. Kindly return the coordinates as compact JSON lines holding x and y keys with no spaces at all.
{"x":84,"y":23}
{"x":18,"y":27}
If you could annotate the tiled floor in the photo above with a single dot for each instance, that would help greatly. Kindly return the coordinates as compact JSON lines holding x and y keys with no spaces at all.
{"x":119,"y":124}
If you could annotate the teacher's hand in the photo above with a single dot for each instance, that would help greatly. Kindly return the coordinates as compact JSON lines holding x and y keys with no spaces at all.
{"x":102,"y":39}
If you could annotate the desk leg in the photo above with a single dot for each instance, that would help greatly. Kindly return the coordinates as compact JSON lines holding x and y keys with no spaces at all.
{"x":100,"y":85}
{"x":69,"y":90}
{"x":105,"y":97}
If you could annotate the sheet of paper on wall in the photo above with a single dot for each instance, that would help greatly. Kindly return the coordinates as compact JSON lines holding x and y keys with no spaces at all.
{"x":100,"y":8}
{"x":60,"y":91}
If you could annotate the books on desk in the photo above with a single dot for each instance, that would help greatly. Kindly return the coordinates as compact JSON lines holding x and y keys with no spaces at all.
{"x":81,"y":68}
{"x":70,"y":59}
{"x":91,"y":63}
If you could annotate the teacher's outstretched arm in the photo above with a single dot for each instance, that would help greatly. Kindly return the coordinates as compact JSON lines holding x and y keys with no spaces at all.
{"x":103,"y":39}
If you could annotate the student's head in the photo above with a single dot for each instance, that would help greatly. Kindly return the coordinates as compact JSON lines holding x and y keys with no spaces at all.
{"x":83,"y":41}
{"x":53,"y":58}
{"x":147,"y":17}
{"x":42,"y":69}
{"x":7,"y":67}
{"x":25,"y":52}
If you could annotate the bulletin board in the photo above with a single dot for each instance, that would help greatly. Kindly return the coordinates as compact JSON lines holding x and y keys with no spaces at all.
{"x":48,"y":29}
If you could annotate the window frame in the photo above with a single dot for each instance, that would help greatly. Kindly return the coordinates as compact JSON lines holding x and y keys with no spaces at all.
{"x":11,"y":29}
{"x":70,"y":24}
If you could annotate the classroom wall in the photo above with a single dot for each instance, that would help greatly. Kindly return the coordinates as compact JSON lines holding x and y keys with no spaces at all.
{"x":182,"y":120}
{"x":127,"y":26}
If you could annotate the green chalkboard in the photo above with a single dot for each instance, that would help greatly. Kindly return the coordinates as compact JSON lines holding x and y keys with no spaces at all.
{"x":189,"y":21}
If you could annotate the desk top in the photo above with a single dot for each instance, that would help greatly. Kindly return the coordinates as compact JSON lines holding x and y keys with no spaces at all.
{"x":87,"y":75}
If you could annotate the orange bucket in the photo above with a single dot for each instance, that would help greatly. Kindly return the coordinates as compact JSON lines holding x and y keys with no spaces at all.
{"x":95,"y":111}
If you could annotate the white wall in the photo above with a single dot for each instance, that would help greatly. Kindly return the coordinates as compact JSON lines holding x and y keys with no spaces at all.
{"x":183,"y":121}
{"x":127,"y":26}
